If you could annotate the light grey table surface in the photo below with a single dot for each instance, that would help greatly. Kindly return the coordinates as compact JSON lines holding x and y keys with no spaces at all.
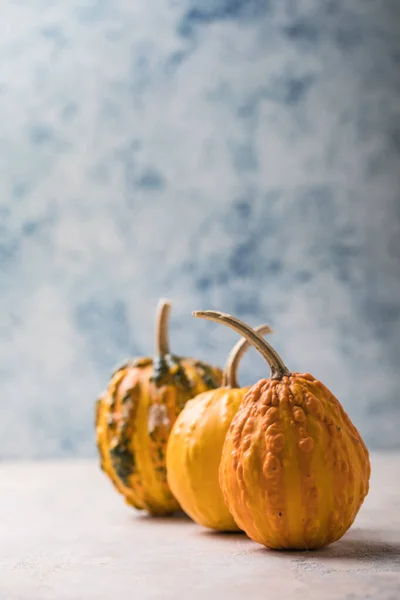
{"x":65,"y":534}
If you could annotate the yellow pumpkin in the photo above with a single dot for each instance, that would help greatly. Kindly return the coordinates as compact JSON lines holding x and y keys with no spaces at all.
{"x":135,"y":414}
{"x":195,"y":446}
{"x":294,"y":470}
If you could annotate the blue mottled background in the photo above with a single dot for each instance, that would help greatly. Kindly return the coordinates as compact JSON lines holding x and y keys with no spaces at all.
{"x":236,"y":155}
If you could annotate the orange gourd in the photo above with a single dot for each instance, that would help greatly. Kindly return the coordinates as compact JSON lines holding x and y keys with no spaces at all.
{"x":195,"y":447}
{"x":135,"y":414}
{"x":294,"y":469}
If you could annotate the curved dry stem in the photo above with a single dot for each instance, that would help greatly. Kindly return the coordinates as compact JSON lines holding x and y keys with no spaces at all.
{"x":162,"y":341}
{"x":278,"y":367}
{"x":229,"y":376}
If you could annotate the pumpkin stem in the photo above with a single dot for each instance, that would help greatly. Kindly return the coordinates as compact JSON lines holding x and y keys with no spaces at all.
{"x":278,"y":367}
{"x":162,"y":341}
{"x":229,"y":376}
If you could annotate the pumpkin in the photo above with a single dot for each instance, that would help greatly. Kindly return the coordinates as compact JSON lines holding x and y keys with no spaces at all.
{"x":195,"y":447}
{"x":135,"y":414}
{"x":294,"y":470}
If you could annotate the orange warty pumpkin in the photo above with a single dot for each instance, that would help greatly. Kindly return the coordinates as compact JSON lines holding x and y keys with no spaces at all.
{"x":294,"y":470}
{"x":195,"y":446}
{"x":135,"y":414}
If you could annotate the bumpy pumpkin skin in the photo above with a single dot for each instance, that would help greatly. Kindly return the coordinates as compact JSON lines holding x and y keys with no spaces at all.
{"x":194,"y":453}
{"x":134,"y":418}
{"x":294,"y":470}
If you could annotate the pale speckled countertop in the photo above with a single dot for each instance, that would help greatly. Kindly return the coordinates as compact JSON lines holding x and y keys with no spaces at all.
{"x":66,"y":535}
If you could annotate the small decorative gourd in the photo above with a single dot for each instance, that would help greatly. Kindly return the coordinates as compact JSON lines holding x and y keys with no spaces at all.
{"x":195,"y":446}
{"x":294,"y":470}
{"x":135,"y":414}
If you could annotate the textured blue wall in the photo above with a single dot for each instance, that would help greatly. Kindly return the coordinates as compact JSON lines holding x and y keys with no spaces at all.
{"x":236,"y":155}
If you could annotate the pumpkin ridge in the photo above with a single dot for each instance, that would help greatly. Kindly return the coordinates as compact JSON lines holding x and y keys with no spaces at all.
{"x":349,"y":460}
{"x":294,"y":479}
{"x":353,"y":459}
{"x":273,"y":470}
{"x":108,"y":425}
{"x":223,"y":478}
{"x":229,"y":482}
{"x":261,"y":484}
{"x":205,"y":517}
{"x":152,"y":435}
{"x":308,"y":466}
{"x":292,"y":468}
{"x":335,"y":475}
{"x":106,"y":430}
{"x":128,"y":406}
{"x":319,"y":465}
{"x":229,"y":397}
{"x":137,"y":446}
{"x":187,"y":461}
{"x":122,"y":456}
{"x":331,"y":454}
{"x":247,"y":488}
